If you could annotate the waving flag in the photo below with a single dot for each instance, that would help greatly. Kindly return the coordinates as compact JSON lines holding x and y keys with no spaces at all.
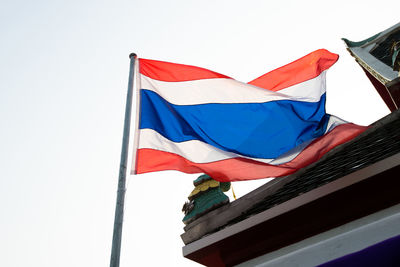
{"x":198,"y":121}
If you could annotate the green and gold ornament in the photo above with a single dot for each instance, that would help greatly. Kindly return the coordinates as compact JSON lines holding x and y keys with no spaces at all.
{"x":205,"y":197}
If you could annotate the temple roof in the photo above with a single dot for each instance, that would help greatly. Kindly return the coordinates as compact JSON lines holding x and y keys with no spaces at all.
{"x":379,"y":56}
{"x":375,"y":53}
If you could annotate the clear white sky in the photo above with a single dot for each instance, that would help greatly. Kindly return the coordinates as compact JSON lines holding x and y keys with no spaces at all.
{"x":63,"y":78}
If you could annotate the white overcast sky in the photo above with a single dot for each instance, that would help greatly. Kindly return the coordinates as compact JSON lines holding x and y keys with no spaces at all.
{"x":63,"y":79}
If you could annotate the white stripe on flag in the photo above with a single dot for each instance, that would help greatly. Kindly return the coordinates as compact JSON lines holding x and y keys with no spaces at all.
{"x":223,"y":90}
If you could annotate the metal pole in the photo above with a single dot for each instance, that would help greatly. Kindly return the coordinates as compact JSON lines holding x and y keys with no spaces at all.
{"x":119,"y":208}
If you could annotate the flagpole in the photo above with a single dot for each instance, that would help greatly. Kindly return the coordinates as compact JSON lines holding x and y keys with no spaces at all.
{"x":119,"y":208}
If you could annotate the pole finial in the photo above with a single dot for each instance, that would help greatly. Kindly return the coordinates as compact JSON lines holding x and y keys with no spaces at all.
{"x":132,"y":55}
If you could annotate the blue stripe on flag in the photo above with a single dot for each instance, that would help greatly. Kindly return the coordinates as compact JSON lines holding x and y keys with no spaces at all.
{"x":259,"y":130}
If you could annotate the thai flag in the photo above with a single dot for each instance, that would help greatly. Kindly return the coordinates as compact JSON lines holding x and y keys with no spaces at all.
{"x":198,"y":121}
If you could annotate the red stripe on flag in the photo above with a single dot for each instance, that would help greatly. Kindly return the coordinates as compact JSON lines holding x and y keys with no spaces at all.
{"x":172,"y":72}
{"x":303,"y":69}
{"x":239,"y":169}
